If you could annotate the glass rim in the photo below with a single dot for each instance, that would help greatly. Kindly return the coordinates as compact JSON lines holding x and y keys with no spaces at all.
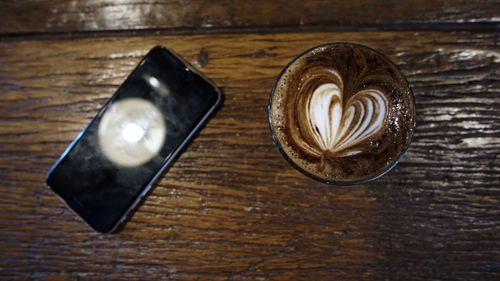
{"x":344,"y":182}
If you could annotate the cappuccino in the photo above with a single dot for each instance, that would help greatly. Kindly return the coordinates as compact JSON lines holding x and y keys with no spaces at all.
{"x":342,"y":113}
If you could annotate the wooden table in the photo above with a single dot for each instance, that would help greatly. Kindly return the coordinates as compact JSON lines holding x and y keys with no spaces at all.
{"x":231,"y":208}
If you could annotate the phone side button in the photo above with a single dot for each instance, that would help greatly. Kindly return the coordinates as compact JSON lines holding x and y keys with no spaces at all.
{"x":144,"y":192}
{"x":135,"y":203}
{"x":129,"y":211}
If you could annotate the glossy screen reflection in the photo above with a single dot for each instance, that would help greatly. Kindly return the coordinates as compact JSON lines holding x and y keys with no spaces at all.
{"x":131,"y":132}
{"x":137,"y":133}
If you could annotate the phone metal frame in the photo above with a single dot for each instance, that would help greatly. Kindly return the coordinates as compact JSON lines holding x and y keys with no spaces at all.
{"x":166,"y":165}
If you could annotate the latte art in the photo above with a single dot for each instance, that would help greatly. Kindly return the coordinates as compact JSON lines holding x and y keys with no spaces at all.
{"x":336,"y":127}
{"x":342,"y":112}
{"x":332,"y":122}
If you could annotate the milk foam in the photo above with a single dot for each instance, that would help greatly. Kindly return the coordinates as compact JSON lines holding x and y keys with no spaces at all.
{"x":337,"y":131}
{"x":325,"y":112}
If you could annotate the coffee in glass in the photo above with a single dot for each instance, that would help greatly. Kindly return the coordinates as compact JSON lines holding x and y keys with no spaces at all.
{"x":342,"y":113}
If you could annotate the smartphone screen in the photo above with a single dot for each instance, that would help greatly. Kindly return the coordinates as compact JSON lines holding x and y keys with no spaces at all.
{"x":115,"y":159}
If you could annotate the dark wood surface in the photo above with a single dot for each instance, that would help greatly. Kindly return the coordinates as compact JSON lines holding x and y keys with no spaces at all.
{"x":204,"y":15}
{"x":231,"y":208}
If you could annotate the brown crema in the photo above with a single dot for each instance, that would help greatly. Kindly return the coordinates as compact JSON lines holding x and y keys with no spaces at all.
{"x":366,"y":104}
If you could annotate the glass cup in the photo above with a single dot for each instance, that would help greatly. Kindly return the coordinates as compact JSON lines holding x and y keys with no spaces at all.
{"x":347,"y":62}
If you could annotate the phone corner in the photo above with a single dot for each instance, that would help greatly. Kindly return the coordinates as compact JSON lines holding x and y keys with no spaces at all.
{"x":105,"y":231}
{"x":47,"y":178}
{"x":158,"y":48}
{"x":219,"y":98}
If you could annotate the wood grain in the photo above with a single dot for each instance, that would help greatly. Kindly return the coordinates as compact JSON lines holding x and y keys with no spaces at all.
{"x":202,"y":15}
{"x":231,"y":208}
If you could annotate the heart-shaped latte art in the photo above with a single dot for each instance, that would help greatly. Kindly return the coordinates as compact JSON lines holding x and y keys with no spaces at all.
{"x":337,"y":126}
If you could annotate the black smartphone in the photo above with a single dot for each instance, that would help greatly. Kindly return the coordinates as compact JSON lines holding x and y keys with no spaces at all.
{"x":135,"y":136}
